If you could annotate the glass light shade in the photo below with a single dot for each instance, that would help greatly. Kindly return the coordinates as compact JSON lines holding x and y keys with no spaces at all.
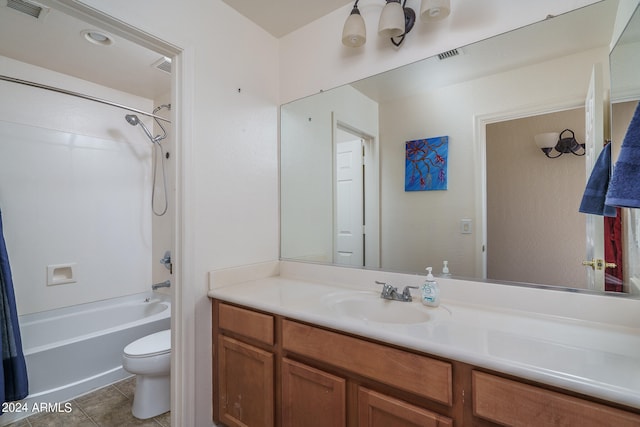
{"x":434,"y":10}
{"x":391,"y":20}
{"x":546,"y":140}
{"x":354,"y":33}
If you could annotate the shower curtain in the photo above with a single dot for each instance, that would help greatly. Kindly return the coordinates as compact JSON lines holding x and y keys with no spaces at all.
{"x":13,"y":376}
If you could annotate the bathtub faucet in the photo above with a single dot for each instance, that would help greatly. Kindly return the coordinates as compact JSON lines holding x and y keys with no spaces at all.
{"x":164,"y":284}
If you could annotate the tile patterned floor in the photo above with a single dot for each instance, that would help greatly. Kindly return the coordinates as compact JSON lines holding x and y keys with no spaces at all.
{"x":105,"y":407}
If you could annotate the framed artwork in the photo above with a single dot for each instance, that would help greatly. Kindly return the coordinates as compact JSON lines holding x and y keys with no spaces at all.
{"x":426,"y":164}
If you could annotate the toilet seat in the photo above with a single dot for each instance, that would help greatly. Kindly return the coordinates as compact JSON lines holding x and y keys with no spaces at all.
{"x":151,"y":345}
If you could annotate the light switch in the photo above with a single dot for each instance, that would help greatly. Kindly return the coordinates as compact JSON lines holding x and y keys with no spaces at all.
{"x":465,"y":226}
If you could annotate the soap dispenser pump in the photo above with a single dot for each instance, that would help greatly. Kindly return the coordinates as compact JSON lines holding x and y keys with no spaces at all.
{"x":430,"y":291}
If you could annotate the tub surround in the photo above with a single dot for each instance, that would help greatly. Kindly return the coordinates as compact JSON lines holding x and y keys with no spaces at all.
{"x":579,"y":342}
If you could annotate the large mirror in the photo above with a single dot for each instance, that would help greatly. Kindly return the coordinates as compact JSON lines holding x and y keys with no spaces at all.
{"x":351,"y":193}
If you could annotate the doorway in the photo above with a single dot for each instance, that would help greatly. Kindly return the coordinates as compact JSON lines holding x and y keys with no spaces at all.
{"x":128,"y":35}
{"x":535,"y":233}
{"x":356,"y":197}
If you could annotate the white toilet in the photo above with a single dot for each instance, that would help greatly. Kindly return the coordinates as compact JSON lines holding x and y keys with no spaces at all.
{"x":150,"y":359}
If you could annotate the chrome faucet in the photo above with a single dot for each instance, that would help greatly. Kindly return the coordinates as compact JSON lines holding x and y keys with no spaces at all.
{"x":391,"y":292}
{"x":164,"y":284}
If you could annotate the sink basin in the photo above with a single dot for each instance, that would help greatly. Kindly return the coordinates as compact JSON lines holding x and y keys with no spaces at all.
{"x":369,"y":306}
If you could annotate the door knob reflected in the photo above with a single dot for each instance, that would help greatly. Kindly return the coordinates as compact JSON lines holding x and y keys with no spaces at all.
{"x":599,"y":264}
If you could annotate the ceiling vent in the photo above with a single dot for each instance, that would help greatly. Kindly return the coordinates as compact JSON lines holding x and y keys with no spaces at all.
{"x":163,"y":64}
{"x":449,"y":54}
{"x":28,"y":8}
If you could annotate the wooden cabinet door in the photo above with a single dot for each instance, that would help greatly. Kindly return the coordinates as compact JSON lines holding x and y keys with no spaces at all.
{"x":379,"y":410}
{"x":311,"y":398}
{"x":245,"y":384}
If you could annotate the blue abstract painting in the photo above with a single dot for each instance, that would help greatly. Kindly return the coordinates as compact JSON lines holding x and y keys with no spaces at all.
{"x":426,"y":164}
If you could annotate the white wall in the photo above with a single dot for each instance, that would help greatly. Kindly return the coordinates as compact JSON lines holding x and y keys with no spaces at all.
{"x":74,"y":188}
{"x":163,"y":238}
{"x":306,"y":150}
{"x":228,"y":163}
{"x":452,"y":111}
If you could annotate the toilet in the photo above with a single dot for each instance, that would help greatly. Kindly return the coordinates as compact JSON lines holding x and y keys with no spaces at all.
{"x":150,"y":359}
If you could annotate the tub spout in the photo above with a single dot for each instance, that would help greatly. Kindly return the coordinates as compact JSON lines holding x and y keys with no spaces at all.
{"x":164,"y":284}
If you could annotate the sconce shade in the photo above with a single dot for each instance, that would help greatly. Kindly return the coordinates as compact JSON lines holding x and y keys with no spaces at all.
{"x":546,"y":140}
{"x":391,"y":20}
{"x":554,"y":142}
{"x":354,"y":33}
{"x":434,"y":10}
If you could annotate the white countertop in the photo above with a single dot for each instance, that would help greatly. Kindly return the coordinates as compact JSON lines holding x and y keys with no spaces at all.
{"x":594,"y":358}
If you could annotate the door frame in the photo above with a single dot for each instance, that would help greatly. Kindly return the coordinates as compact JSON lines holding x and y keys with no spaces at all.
{"x":371,"y":187}
{"x":480,"y":150}
{"x":183,"y":377}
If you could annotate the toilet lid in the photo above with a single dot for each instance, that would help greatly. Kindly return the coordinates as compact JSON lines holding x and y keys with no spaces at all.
{"x":151,"y":345}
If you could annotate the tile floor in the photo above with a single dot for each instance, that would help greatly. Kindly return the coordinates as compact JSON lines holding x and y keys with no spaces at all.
{"x":106,"y":407}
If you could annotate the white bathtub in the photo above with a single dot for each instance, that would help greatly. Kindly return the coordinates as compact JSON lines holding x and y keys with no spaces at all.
{"x":73,"y":350}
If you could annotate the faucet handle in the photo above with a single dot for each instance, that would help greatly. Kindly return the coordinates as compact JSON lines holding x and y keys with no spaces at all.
{"x":387,"y":289}
{"x":406,"y":293}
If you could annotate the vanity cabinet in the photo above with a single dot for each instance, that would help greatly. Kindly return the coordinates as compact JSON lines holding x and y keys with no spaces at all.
{"x":273,"y":371}
{"x":311,"y":397}
{"x":246,"y":384}
{"x":512,"y":403}
{"x":244,"y":366}
{"x":376,"y":409}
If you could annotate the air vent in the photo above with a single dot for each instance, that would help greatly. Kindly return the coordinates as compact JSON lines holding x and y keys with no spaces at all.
{"x":28,"y":8}
{"x":448,"y":54}
{"x":163,"y":64}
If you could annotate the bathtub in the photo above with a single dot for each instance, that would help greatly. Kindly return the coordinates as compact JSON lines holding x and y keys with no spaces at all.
{"x":73,"y":350}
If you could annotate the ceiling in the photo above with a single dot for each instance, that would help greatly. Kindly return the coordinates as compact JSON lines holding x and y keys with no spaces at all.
{"x":280,"y":17}
{"x":55,"y":41}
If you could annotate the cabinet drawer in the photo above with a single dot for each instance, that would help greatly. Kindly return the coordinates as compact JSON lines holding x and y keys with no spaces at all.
{"x":246,"y":322}
{"x":407,"y":371}
{"x":515,"y":404}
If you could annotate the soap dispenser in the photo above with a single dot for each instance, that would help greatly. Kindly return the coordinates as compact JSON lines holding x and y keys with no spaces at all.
{"x":445,"y":269}
{"x":430,"y":291}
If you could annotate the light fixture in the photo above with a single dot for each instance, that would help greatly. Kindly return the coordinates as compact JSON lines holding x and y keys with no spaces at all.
{"x":97,"y":37}
{"x":354,"y":33}
{"x":435,"y":10}
{"x":396,"y":20}
{"x":553,"y":141}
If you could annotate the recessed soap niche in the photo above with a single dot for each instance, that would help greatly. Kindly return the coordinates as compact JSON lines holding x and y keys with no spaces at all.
{"x":61,"y":274}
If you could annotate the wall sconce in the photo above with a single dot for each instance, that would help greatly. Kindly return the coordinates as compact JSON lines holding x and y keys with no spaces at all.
{"x":550,"y":141}
{"x":354,"y":33}
{"x":396,"y":21}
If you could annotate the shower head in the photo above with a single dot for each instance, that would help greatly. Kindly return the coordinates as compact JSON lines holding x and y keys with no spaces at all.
{"x":133,"y":120}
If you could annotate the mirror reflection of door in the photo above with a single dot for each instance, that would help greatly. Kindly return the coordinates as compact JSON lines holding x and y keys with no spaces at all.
{"x":349,"y":200}
{"x":594,"y":139}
